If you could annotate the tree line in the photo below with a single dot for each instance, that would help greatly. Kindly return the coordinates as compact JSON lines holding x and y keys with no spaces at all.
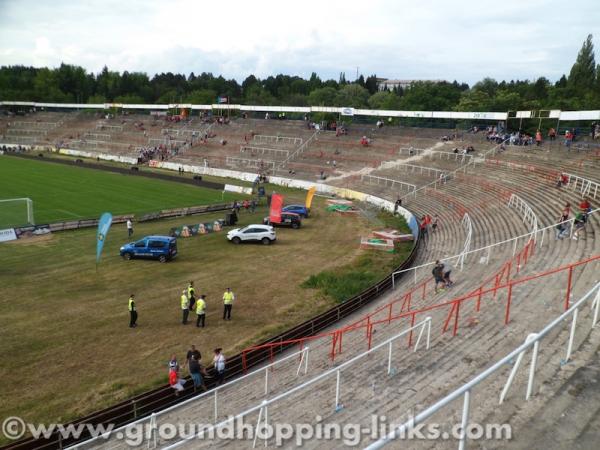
{"x":69,"y":83}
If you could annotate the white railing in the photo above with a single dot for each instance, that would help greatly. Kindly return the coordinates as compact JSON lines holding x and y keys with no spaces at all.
{"x":429,"y":171}
{"x":528,"y":216}
{"x":250,"y":163}
{"x":25,"y":131}
{"x":215,"y":394}
{"x":20,"y":139}
{"x":466,"y":222}
{"x":285,"y":140}
{"x":586,"y":187}
{"x":102,"y":126}
{"x":411,"y":151}
{"x":388,"y":182}
{"x":532,"y":342}
{"x":98,"y":136}
{"x":262,"y":150}
{"x":423,"y":326}
{"x":300,"y":149}
{"x":451,"y":174}
{"x":165,"y":141}
{"x":46,"y":125}
{"x":488,"y":248}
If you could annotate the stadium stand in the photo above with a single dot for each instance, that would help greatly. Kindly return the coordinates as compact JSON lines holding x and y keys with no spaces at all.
{"x":516,"y":278}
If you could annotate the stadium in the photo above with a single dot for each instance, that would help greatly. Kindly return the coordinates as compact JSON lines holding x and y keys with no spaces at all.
{"x":344,"y":332}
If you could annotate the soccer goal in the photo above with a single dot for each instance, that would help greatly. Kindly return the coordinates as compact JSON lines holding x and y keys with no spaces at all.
{"x":16,"y":212}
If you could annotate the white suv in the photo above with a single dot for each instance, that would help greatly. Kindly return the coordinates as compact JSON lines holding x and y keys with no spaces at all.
{"x":262,"y":233}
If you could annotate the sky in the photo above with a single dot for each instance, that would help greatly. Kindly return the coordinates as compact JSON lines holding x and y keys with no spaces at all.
{"x":460,"y":40}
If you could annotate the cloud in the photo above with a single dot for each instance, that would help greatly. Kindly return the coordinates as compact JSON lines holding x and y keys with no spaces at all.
{"x":461,"y":40}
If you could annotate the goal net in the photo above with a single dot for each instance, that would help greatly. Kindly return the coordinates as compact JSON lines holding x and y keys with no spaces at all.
{"x":16,"y":212}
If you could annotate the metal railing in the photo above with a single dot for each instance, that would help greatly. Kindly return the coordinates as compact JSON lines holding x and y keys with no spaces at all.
{"x":532,"y":342}
{"x":423,"y":326}
{"x":528,"y":216}
{"x":488,"y":248}
{"x":466,"y":222}
{"x":285,"y":140}
{"x":586,"y":187}
{"x":388,"y":182}
{"x":250,"y":163}
{"x":300,"y":149}
{"x":262,"y":150}
{"x":429,"y":171}
{"x":302,"y":366}
{"x":452,"y":173}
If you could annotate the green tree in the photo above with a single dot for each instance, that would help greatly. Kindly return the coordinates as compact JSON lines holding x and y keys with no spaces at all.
{"x":352,"y":95}
{"x":384,"y":100}
{"x":583,"y":73}
{"x":322,"y":97}
{"x":201,"y":97}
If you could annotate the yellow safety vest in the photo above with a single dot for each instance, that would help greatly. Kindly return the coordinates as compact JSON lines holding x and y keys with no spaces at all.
{"x":191,"y":291}
{"x":228,"y":298}
{"x":200,"y":306}
{"x":185,"y":304}
{"x":131,"y":304}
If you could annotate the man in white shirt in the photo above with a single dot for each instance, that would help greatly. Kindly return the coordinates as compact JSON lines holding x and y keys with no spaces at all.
{"x":129,"y":227}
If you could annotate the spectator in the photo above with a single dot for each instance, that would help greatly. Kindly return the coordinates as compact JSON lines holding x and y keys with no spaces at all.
{"x":447,"y":270}
{"x":538,"y":138}
{"x":175,"y":382}
{"x":129,"y":227}
{"x":196,"y":372}
{"x":192,"y":352}
{"x":438,"y":276}
{"x":562,"y":227}
{"x":586,"y":208}
{"x":578,"y":224}
{"x":253,"y":206}
{"x":568,"y":139}
{"x":434,"y":223}
{"x":552,"y":134}
{"x":219,"y":363}
{"x":173,"y":364}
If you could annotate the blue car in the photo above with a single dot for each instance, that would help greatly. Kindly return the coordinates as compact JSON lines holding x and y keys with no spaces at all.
{"x":163,"y":248}
{"x":301,"y":210}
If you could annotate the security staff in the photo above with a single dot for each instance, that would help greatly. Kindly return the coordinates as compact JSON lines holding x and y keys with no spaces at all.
{"x":201,"y":310}
{"x":228,"y":299}
{"x":132,"y":312}
{"x":191,"y":293}
{"x":185,"y":306}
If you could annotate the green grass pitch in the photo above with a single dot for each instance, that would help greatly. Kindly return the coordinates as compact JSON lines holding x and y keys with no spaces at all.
{"x":62,"y":192}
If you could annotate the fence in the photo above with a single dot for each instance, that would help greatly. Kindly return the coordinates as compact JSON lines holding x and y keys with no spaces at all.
{"x":429,"y":171}
{"x":532,"y":342}
{"x":25,"y":131}
{"x":250,"y":163}
{"x":300,"y":149}
{"x":586,"y":187}
{"x":388,"y":182}
{"x":215,"y":395}
{"x":529,"y":217}
{"x":284,"y":140}
{"x":102,"y":126}
{"x":262,"y":151}
{"x":424,"y":325}
{"x":452,"y":173}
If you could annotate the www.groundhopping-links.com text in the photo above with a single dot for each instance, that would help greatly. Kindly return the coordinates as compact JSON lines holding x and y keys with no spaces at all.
{"x":278,"y":434}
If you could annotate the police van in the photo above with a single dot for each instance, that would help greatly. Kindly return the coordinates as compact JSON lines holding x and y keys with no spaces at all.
{"x":163,"y":248}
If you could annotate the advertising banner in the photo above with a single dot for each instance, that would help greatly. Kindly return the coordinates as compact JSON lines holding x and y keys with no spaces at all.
{"x":276,"y":205}
{"x":185,"y":231}
{"x":309,"y":196}
{"x":103,"y":226}
{"x":7,"y":235}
